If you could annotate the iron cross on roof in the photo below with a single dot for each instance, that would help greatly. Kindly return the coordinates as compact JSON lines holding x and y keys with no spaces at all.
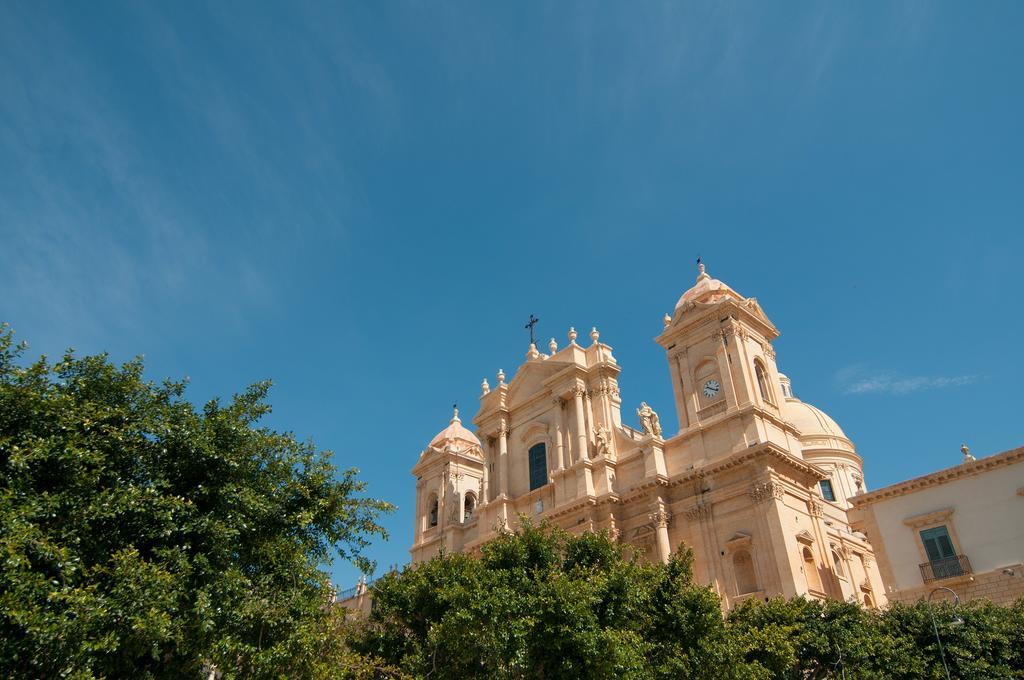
{"x":533,"y":322}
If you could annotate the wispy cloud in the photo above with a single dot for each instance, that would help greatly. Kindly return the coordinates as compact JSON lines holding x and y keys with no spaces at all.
{"x":861,"y":379}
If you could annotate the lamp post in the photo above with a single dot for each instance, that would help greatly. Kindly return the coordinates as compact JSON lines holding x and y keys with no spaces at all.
{"x":935,"y":627}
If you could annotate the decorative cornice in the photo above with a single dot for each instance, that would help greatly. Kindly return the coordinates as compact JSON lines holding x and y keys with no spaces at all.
{"x":941,"y":477}
{"x":928,"y":518}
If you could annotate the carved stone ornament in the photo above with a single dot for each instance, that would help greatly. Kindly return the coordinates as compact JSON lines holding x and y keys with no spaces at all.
{"x":602,"y":437}
{"x":764,"y":491}
{"x":699,"y":512}
{"x":579,"y":391}
{"x":814,"y":508}
{"x":660,"y":518}
{"x":648,"y":420}
{"x":614,"y":534}
{"x":769,"y":351}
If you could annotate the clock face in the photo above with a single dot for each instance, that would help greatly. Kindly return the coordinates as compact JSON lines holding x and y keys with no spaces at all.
{"x":711,"y":388}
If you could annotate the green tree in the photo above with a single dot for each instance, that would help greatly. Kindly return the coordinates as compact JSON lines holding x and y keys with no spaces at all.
{"x":143,"y":537}
{"x":542,"y":603}
{"x":803,"y":639}
{"x":980,"y":639}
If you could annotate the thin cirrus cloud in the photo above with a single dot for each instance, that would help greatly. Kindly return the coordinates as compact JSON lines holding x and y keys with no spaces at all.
{"x":863,"y":380}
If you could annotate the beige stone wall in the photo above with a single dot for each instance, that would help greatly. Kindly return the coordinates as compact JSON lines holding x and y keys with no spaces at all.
{"x":997,"y":586}
{"x":981,"y":505}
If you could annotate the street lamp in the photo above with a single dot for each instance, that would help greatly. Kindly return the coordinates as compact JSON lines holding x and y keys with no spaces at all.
{"x":935,"y":627}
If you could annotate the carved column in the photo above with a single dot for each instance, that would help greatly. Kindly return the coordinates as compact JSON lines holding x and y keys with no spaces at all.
{"x":660,"y":518}
{"x":782,"y":545}
{"x":581,"y":425}
{"x":503,"y":458}
{"x":724,"y":369}
{"x":485,"y":486}
{"x":746,"y":365}
{"x":559,"y":443}
{"x":589,"y":405}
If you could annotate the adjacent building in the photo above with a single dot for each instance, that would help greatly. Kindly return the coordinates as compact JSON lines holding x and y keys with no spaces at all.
{"x":961,"y":528}
{"x":755,"y":480}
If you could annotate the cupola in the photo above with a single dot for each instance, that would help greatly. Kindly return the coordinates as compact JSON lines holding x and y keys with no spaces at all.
{"x":707,"y":290}
{"x":455,"y":432}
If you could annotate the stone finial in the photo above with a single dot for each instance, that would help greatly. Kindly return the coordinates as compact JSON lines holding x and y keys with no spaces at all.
{"x":485,"y":386}
{"x":667,"y":320}
{"x":572,"y":335}
{"x":532,"y":353}
{"x":553,"y":346}
{"x":501,"y":377}
{"x":455,"y":414}
{"x":594,"y":335}
{"x":964,"y":449}
{"x":701,"y":274}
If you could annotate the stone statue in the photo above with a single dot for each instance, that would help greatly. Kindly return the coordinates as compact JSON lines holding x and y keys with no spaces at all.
{"x":967,"y":453}
{"x":602,"y":437}
{"x":648,"y":419}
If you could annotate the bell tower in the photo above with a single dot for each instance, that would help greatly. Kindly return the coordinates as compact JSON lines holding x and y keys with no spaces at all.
{"x":450,"y":488}
{"x":720,"y":356}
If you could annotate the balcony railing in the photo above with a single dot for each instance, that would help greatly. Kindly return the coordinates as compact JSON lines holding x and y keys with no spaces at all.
{"x":949,"y":567}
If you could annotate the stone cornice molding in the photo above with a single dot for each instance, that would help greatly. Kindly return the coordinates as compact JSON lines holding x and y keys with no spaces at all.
{"x":535,"y":430}
{"x":739,"y":541}
{"x":805,"y":537}
{"x":768,"y":450}
{"x":747,"y":311}
{"x":947,"y":475}
{"x":929,"y":518}
{"x":745,"y":410}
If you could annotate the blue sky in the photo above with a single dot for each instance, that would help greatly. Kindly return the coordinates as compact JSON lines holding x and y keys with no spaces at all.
{"x":365,"y":201}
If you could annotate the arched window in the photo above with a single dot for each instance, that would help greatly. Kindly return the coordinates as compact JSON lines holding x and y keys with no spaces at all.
{"x":811,"y":571}
{"x":538,"y":466}
{"x":468,"y":506}
{"x":837,"y":564}
{"x":432,"y":514}
{"x":746,"y":579}
{"x":762,"y":382}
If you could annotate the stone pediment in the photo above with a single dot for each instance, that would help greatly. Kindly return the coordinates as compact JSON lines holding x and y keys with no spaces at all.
{"x":530,"y":378}
{"x":805,"y":537}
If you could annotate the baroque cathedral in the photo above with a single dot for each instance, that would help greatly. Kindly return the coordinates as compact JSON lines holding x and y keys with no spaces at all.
{"x":755,"y":481}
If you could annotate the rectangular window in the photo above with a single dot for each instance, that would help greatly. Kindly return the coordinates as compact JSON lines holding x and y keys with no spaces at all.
{"x":826,"y":490}
{"x":538,"y":466}
{"x":937,"y":544}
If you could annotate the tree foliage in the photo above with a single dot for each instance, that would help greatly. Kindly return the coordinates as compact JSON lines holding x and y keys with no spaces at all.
{"x":542,"y":603}
{"x":143,"y":537}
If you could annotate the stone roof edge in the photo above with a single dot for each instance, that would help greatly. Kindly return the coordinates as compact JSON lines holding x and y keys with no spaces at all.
{"x":941,"y":477}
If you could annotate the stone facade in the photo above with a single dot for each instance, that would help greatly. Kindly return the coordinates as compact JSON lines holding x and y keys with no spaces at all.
{"x":975,"y":509}
{"x":756,"y":481}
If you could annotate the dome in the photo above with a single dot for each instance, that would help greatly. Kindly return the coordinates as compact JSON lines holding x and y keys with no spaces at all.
{"x":812,"y":421}
{"x":454,"y":432}
{"x":706,"y":289}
